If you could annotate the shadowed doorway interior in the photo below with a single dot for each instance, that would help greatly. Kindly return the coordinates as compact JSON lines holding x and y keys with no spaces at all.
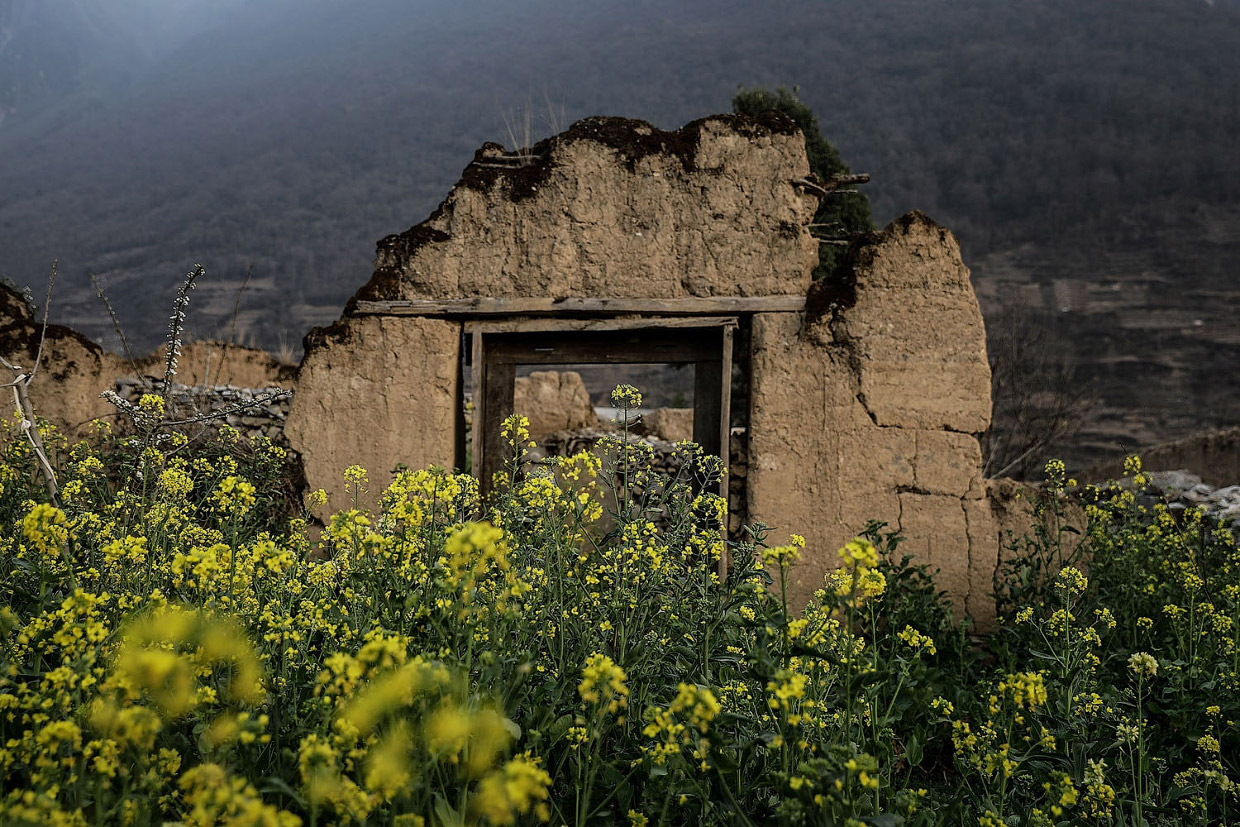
{"x":498,"y":349}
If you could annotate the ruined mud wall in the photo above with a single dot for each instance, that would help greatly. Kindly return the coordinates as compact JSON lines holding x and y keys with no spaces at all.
{"x":865,"y":405}
{"x":374,"y":392}
{"x":868,"y":406}
{"x":212,"y":363}
{"x":1214,"y":456}
{"x":611,"y":208}
{"x":72,"y":372}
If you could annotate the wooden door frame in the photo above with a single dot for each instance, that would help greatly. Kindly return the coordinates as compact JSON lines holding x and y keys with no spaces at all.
{"x":499,"y":346}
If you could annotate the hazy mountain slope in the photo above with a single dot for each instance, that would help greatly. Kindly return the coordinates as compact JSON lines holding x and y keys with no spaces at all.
{"x":50,"y":50}
{"x":1052,"y":135}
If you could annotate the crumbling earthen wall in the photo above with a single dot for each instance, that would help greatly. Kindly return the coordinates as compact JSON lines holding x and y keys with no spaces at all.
{"x":867,"y":406}
{"x":617,"y":208}
{"x":375,"y":392}
{"x":209,"y":363}
{"x":1214,"y":456}
{"x":554,"y":401}
{"x":863,"y":405}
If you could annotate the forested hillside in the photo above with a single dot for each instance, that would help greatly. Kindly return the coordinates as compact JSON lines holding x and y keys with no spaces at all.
{"x":1083,"y":151}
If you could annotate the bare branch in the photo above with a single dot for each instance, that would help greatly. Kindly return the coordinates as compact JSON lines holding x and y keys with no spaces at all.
{"x":1037,"y":401}
{"x":31,"y":427}
{"x":47,"y":309}
{"x":236,"y":407}
{"x":232,"y":330}
{"x":116,"y":325}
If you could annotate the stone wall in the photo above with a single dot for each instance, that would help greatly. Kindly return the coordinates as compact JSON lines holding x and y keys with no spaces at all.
{"x":253,"y":412}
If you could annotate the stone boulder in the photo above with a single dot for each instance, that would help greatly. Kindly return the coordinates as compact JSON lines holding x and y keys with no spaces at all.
{"x":670,"y":424}
{"x":554,"y":401}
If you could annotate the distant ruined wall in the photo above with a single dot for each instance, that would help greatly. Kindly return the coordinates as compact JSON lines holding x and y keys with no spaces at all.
{"x":554,"y":401}
{"x":1214,"y":456}
{"x":72,"y":373}
{"x":221,"y":363}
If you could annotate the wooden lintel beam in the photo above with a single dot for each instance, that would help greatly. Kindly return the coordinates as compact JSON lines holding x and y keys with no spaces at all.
{"x":544,"y":324}
{"x":481,"y":307}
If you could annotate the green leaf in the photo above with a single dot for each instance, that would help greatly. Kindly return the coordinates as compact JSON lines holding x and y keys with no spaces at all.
{"x":913,"y":751}
{"x":447,"y":816}
{"x":725,"y":761}
{"x":273,"y":784}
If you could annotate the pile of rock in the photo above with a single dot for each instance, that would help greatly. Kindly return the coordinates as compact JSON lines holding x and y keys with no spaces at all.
{"x":1182,"y":489}
{"x":665,"y":458}
{"x":252,"y":411}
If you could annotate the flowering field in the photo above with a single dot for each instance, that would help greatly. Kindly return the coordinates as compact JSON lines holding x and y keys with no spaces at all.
{"x":177,"y":645}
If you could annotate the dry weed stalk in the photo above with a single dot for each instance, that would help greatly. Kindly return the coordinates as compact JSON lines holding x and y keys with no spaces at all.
{"x":20,"y":385}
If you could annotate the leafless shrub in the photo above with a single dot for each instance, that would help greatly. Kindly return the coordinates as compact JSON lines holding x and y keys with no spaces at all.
{"x":1037,"y":401}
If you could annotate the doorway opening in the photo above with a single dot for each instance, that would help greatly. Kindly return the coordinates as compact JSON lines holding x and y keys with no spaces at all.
{"x":698,"y":349}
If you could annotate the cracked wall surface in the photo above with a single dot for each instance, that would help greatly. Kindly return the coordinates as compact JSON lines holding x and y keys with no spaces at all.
{"x":867,"y":407}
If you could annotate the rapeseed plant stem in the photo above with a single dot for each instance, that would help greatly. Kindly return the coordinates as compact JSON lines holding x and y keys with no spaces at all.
{"x":384,"y":661}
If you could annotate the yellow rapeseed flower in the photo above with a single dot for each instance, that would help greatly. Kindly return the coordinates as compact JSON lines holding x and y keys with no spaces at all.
{"x":517,"y":789}
{"x":603,"y":684}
